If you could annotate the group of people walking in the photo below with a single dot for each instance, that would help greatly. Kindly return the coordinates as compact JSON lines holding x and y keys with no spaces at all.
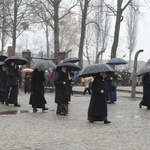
{"x":101,"y":88}
{"x":9,"y":84}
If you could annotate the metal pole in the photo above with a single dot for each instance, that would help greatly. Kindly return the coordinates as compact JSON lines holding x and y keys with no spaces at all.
{"x":133,"y":90}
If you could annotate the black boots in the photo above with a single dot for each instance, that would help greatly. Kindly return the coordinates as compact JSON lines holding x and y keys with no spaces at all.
{"x":106,"y":122}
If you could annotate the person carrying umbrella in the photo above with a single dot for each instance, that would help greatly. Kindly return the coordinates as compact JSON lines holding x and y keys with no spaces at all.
{"x":62,"y":91}
{"x":37,"y":99}
{"x":3,"y":83}
{"x":12,"y":84}
{"x":98,"y":104}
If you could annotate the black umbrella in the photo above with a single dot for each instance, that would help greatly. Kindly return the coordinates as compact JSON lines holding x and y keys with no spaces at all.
{"x":18,"y":60}
{"x":92,"y":70}
{"x":44,"y":64}
{"x":143,"y":70}
{"x":69,"y":66}
{"x":2,"y":57}
{"x":116,"y":61}
{"x":71,"y":59}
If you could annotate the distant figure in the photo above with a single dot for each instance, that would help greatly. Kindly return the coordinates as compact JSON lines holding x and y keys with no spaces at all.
{"x":37,"y":99}
{"x":3,"y":83}
{"x":88,"y":82}
{"x":112,"y":94}
{"x":98,"y":104}
{"x":146,"y":91}
{"x":27,"y":82}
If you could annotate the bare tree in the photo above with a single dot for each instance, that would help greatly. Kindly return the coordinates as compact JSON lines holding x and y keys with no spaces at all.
{"x":102,"y":30}
{"x":132,"y":27}
{"x":119,"y":18}
{"x":84,"y":10}
{"x":48,"y":12}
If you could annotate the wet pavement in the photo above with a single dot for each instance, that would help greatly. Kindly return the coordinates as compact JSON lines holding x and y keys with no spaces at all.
{"x":21,"y":129}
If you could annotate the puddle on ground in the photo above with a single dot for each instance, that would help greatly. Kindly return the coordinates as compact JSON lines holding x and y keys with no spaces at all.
{"x":13,"y":112}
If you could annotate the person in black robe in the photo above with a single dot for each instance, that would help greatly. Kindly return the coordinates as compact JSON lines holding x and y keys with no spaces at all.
{"x":3,"y":84}
{"x":98,"y":104}
{"x":146,"y":91}
{"x":37,"y":99}
{"x":12,"y":84}
{"x":62,"y":91}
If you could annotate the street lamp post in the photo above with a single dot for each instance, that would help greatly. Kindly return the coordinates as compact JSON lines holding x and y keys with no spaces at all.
{"x":133,"y":90}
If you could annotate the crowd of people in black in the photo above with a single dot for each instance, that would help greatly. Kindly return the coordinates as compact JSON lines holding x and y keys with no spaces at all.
{"x":101,"y":87}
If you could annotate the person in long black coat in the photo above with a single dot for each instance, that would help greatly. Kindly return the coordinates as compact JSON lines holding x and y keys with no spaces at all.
{"x":3,"y":84}
{"x":12,"y":84}
{"x":98,"y":104}
{"x":37,"y":99}
{"x":146,"y":91}
{"x":62,"y":91}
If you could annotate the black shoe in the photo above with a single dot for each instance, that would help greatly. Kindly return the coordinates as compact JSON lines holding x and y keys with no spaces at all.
{"x":109,"y":102}
{"x":6,"y":104}
{"x":140,"y":105}
{"x":106,"y":122}
{"x":17,"y":105}
{"x":148,"y":108}
{"x":44,"y":108}
{"x":91,"y":121}
{"x":35,"y":110}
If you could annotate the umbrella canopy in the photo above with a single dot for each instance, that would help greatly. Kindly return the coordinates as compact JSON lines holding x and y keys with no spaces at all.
{"x":143,"y":70}
{"x":92,"y":70}
{"x":68,"y":65}
{"x":71,"y":59}
{"x":18,"y":60}
{"x":2,"y":57}
{"x":44,"y":64}
{"x":116,"y":61}
{"x":28,"y":70}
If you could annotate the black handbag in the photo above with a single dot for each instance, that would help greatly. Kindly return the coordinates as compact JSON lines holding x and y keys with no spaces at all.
{"x":114,"y":84}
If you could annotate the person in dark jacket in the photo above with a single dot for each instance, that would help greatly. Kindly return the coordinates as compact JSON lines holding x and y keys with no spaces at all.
{"x":37,"y":99}
{"x":3,"y":83}
{"x":98,"y":104}
{"x":62,"y":91}
{"x":27,"y":82}
{"x":112,"y":94}
{"x":146,"y":91}
{"x":12,"y":84}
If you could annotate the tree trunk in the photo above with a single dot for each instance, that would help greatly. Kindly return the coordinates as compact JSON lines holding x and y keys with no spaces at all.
{"x":56,"y":29}
{"x":117,"y":30}
{"x":14,"y":26}
{"x":47,"y":41}
{"x":83,"y":29}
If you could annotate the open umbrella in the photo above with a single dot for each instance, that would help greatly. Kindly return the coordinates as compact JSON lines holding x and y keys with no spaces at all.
{"x":18,"y":60}
{"x":92,"y":70}
{"x":143,"y":70}
{"x":71,"y":59}
{"x":28,"y":70}
{"x":69,"y":66}
{"x":44,"y":64}
{"x":116,"y":61}
{"x":2,"y":57}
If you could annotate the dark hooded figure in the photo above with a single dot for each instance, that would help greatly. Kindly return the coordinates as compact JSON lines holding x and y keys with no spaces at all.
{"x":146,"y":91}
{"x":98,"y":104}
{"x":3,"y":84}
{"x":12,"y":84}
{"x":62,"y":91}
{"x":37,"y":99}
